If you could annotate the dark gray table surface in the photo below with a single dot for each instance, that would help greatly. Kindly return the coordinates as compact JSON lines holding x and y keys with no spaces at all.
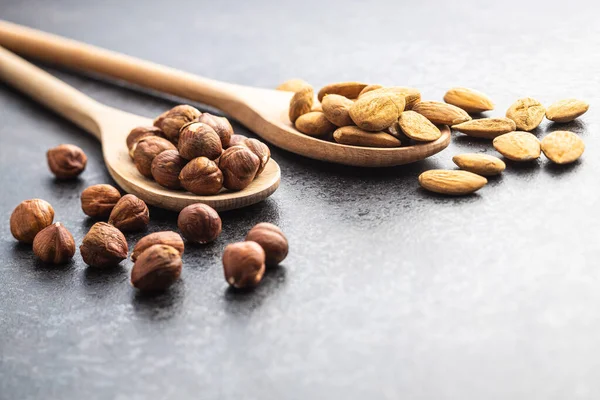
{"x":388,"y":292}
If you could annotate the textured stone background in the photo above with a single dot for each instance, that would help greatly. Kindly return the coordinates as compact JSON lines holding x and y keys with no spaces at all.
{"x":388,"y":292}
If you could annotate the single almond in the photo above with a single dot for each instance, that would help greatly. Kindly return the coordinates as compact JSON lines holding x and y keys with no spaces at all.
{"x":375,"y":111}
{"x":441,"y":113}
{"x":357,"y":137}
{"x":417,"y":127}
{"x":293,"y":85}
{"x":314,"y":123}
{"x":518,"y":146}
{"x":451,"y":182}
{"x":411,"y":95}
{"x":369,"y":88}
{"x":337,"y":109}
{"x":563,"y":147}
{"x":566,"y":110}
{"x":350,"y":90}
{"x":487,"y":128}
{"x":470,"y":100}
{"x":527,"y":113}
{"x":301,"y":103}
{"x":480,"y":164}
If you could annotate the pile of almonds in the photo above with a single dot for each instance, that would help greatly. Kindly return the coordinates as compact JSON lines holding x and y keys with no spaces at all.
{"x":196,"y":151}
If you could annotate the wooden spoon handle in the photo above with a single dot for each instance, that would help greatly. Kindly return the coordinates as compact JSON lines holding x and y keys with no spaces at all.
{"x":50,"y":91}
{"x":72,"y":54}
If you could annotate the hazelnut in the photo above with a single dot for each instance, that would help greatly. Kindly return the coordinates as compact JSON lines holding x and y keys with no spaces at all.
{"x":271,"y":239}
{"x":66,"y":161}
{"x":157,"y":268}
{"x":171,"y":122}
{"x":166,"y":168}
{"x":261,"y":150}
{"x":236,"y":140}
{"x":103,"y":246}
{"x":97,"y":201}
{"x":54,"y":244}
{"x":243,"y":264}
{"x":199,"y":223}
{"x":29,"y":218}
{"x":239,"y":166}
{"x":130,"y":214}
{"x":199,"y":140}
{"x":169,"y":238}
{"x":146,"y":149}
{"x":201,"y":176}
{"x":139,"y":133}
{"x":220,"y":125}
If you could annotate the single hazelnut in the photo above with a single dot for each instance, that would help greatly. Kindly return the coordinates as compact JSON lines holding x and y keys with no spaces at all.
{"x":98,"y":201}
{"x":201,"y":176}
{"x":271,"y":239}
{"x":146,"y":149}
{"x":130,"y":214}
{"x":139,"y":133}
{"x":103,"y":246}
{"x":169,"y":238}
{"x":29,"y":218}
{"x":156,"y":269}
{"x":66,"y":161}
{"x":166,"y":168}
{"x":261,"y":150}
{"x":199,"y":223}
{"x":199,"y":140}
{"x":239,"y":166}
{"x":243,"y":264}
{"x":236,"y":140}
{"x":171,"y":121}
{"x":220,"y":125}
{"x":54,"y":244}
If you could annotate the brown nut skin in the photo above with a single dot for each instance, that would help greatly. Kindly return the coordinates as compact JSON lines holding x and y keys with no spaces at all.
{"x":236,"y":140}
{"x":199,"y":140}
{"x":166,"y":168}
{"x":169,"y":238}
{"x":272,"y":240}
{"x":199,"y":223}
{"x":156,"y":269}
{"x":139,"y":133}
{"x":146,"y":149}
{"x":239,"y":166}
{"x":54,"y":244}
{"x":171,"y":121}
{"x":261,"y":150}
{"x":66,"y":161}
{"x":243,"y":264}
{"x":98,"y":201}
{"x":130,"y":214}
{"x":201,"y":176}
{"x":29,"y":218}
{"x":220,"y":125}
{"x":104,"y":246}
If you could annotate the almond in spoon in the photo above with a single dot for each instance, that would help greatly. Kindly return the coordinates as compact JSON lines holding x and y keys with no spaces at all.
{"x":357,"y":137}
{"x":487,"y":128}
{"x":469,"y":100}
{"x":417,"y":127}
{"x":441,"y":113}
{"x":314,"y":123}
{"x":350,"y":90}
{"x":337,"y":109}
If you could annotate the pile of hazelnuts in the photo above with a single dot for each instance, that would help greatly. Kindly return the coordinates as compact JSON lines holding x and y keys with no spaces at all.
{"x":197,"y":152}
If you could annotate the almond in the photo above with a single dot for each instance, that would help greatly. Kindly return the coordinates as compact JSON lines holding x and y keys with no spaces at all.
{"x":314,"y":123}
{"x":563,"y":147}
{"x":480,"y":164}
{"x":487,"y":128}
{"x":527,"y":113}
{"x":337,"y":109}
{"x":411,"y":95}
{"x":350,"y":90}
{"x":357,"y":137}
{"x":375,"y":111}
{"x":441,"y":113}
{"x":451,"y":182}
{"x":518,"y":146}
{"x":301,"y":103}
{"x":417,"y":127}
{"x":566,"y":110}
{"x":369,"y":88}
{"x":293,"y":85}
{"x":469,"y":100}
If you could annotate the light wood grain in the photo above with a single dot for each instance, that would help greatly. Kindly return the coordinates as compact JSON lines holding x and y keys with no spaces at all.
{"x":111,"y":127}
{"x":263,"y":111}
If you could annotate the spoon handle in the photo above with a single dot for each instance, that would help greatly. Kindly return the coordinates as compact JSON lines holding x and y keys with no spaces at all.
{"x":72,"y":54}
{"x":50,"y":91}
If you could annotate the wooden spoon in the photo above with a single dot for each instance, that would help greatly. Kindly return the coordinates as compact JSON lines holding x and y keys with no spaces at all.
{"x":263,"y":111}
{"x":111,"y":127}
